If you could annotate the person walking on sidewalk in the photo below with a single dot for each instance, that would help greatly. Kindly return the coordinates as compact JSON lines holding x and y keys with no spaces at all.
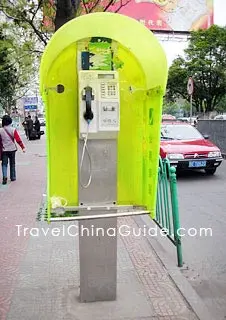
{"x":24,"y":123}
{"x":29,"y":126}
{"x":37,"y":125}
{"x":8,"y":137}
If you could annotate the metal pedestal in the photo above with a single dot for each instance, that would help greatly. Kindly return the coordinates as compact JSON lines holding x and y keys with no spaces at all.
{"x":98,"y":252}
{"x":98,"y":249}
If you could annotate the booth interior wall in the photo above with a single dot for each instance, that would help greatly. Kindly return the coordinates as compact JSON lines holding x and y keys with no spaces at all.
{"x":151,"y":148}
{"x":132,"y":98}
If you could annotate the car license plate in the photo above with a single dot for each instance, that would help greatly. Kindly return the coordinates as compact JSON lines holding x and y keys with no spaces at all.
{"x":197,"y":164}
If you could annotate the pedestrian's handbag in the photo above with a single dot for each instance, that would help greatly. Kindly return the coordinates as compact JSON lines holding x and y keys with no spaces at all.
{"x":11,"y":137}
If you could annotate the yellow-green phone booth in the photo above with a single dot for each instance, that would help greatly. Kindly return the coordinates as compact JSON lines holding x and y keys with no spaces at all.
{"x":102,"y":79}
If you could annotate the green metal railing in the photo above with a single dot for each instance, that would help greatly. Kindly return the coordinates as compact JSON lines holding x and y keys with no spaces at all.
{"x":167,"y":209}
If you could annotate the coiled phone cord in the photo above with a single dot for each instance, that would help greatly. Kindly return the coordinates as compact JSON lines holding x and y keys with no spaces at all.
{"x":85,"y":148}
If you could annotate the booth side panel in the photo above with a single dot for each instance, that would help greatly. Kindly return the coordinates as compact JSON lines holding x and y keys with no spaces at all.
{"x":63,"y":128}
{"x":153,"y":122}
{"x":46,"y":101}
{"x":132,"y":88}
{"x":139,"y":137}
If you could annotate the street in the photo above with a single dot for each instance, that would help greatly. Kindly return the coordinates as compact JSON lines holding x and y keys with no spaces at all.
{"x":202,"y":203}
{"x":41,"y":271}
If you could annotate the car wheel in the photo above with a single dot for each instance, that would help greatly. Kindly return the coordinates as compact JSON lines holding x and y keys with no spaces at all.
{"x":211,"y":171}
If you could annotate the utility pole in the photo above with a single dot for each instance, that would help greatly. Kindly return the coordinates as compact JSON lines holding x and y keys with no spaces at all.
{"x":190,"y":90}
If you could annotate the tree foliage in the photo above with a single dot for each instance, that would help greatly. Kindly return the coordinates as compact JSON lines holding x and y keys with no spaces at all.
{"x":177,"y":107}
{"x":29,"y":25}
{"x":7,"y":73}
{"x":17,"y":65}
{"x":26,"y":15}
{"x":43,"y":17}
{"x":221,"y":106}
{"x":205,"y":61}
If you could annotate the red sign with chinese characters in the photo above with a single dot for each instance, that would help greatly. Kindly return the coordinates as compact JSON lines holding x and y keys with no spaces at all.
{"x":49,"y":12}
{"x":168,"y":15}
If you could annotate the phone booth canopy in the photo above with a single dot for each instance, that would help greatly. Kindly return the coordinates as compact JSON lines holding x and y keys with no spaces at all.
{"x":113,"y":42}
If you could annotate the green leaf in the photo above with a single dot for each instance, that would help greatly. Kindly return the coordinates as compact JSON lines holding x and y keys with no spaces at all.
{"x":205,"y":61}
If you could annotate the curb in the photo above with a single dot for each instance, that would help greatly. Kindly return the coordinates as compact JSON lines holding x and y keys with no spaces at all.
{"x":183,"y":285}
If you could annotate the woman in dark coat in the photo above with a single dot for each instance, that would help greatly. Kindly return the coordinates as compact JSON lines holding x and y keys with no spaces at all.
{"x":37,"y":125}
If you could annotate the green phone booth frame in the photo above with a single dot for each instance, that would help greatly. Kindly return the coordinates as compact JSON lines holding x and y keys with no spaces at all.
{"x":143,"y":77}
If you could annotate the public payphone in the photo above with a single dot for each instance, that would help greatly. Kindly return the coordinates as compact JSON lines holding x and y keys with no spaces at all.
{"x":99,"y":111}
{"x":99,"y":104}
{"x":123,"y":167}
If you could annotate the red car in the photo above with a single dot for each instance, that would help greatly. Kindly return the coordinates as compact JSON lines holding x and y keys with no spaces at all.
{"x":187,"y":149}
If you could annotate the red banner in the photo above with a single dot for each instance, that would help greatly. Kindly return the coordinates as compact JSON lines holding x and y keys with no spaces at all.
{"x":49,"y":12}
{"x":168,"y":15}
{"x":165,"y":15}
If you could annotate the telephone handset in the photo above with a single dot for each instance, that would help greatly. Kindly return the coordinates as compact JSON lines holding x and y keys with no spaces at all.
{"x":99,"y":105}
{"x":88,"y":97}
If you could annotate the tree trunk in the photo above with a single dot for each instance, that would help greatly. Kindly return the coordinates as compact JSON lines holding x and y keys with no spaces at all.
{"x":65,"y":11}
{"x":209,"y":105}
{"x":8,"y":107}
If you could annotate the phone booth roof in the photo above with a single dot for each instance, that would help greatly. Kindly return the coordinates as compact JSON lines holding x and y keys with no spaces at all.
{"x":120,"y":28}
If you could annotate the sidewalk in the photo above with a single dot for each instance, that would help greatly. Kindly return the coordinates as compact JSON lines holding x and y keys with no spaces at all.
{"x":40,"y":274}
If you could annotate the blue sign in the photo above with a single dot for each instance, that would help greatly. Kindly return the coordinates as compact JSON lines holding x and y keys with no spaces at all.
{"x":30,"y":107}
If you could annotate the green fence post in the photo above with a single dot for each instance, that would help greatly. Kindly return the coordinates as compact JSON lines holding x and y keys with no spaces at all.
{"x":161,"y":214}
{"x":175,"y":211}
{"x":166,"y":197}
{"x":158,"y":200}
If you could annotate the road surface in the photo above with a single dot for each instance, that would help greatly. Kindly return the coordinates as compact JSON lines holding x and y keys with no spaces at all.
{"x":202,"y":202}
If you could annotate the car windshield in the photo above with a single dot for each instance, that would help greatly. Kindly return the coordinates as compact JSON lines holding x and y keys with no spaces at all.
{"x":179,"y":132}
